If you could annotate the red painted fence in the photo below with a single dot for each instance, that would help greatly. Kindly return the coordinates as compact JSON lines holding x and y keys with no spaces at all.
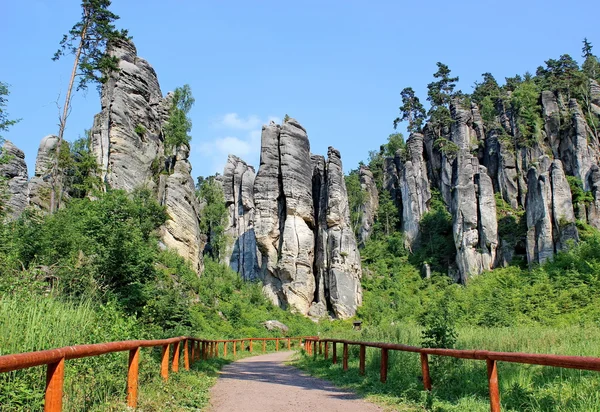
{"x":193,"y":349}
{"x":491,"y":359}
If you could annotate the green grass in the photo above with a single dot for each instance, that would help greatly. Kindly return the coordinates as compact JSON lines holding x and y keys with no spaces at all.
{"x":461,"y":385}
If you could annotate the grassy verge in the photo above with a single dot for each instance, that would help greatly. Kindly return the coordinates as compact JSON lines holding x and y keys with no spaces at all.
{"x":461,"y":385}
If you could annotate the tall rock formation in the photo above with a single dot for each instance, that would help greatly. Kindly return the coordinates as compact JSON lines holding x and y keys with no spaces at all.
{"x":241,"y":252}
{"x":40,"y":184}
{"x":550,"y":216}
{"x":128,"y":142}
{"x":15,"y":173}
{"x":302,"y":226}
{"x":368,"y":210}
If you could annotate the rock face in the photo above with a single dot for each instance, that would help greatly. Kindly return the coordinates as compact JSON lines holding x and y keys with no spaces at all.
{"x":15,"y":173}
{"x":241,"y":253}
{"x":369,"y":207}
{"x":550,"y":216}
{"x":177,"y":193}
{"x":128,"y":142}
{"x":40,"y":184}
{"x":309,"y":257}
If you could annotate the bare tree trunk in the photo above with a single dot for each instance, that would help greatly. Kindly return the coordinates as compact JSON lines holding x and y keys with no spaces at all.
{"x":56,"y":189}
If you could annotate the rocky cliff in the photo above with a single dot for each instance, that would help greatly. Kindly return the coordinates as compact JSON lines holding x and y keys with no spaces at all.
{"x":14,"y":170}
{"x":128,"y":141}
{"x":476,"y":164}
{"x":293,"y":230}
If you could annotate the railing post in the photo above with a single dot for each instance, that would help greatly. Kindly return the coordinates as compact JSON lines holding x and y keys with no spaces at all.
{"x":425,"y":371}
{"x":326,"y":350}
{"x":199,"y":354}
{"x":242,"y":346}
{"x":132,"y":378}
{"x":186,"y":358}
{"x":175,"y":364}
{"x":320,"y":348}
{"x":277,"y":344}
{"x":264,"y":345}
{"x":289,"y":343}
{"x":216,"y":349}
{"x":251,"y":345}
{"x":361,"y":359}
{"x":334,"y":350}
{"x":345,"y":359}
{"x":225,"y":349}
{"x":55,"y":377}
{"x":164,"y":363}
{"x":192,"y":354}
{"x":384,"y":365}
{"x":492,"y":372}
{"x":234,"y":347}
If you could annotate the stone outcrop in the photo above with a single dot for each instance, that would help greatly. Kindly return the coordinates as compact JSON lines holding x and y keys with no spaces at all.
{"x":302,"y":226}
{"x":368,"y":210}
{"x":14,"y":170}
{"x":474,"y":222}
{"x":550,"y":216}
{"x":40,"y":185}
{"x":128,"y":142}
{"x":241,"y":252}
{"x":178,"y":194}
{"x":407,"y":181}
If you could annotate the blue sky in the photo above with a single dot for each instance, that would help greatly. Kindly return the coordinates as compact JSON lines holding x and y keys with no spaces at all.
{"x":336,"y":66}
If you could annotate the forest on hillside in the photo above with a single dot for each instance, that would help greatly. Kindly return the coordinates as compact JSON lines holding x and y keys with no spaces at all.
{"x":85,"y":260}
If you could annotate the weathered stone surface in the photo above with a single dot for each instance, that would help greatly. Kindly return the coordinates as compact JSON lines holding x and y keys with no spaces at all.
{"x":15,"y":173}
{"x":593,"y":209}
{"x":344,"y":270}
{"x":549,"y":211}
{"x":181,"y":231}
{"x":275,"y":325}
{"x":575,"y":152}
{"x":414,"y":188}
{"x":40,"y":185}
{"x":302,"y":226}
{"x":241,"y":253}
{"x":128,"y":142}
{"x":369,"y":208}
{"x":551,"y":114}
{"x":473,"y":217}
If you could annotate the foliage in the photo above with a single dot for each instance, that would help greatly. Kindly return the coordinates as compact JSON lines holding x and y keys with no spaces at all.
{"x":512,"y":224}
{"x":578,"y":194}
{"x":80,"y":169}
{"x":179,"y":124}
{"x":88,"y":40}
{"x":213,"y":217}
{"x":411,"y":110}
{"x":591,"y":66}
{"x":5,"y":122}
{"x":439,"y":94}
{"x":525,"y":103}
{"x":395,"y":142}
{"x":140,"y":130}
{"x":387,"y":215}
{"x":561,"y":76}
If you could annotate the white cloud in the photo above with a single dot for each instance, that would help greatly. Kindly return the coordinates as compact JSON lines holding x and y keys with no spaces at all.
{"x":234,"y":121}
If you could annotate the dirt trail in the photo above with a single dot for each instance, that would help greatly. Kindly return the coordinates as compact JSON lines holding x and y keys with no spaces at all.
{"x":264,"y":383}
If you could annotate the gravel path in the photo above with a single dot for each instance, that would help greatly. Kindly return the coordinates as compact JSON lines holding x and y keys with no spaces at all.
{"x":263,"y":383}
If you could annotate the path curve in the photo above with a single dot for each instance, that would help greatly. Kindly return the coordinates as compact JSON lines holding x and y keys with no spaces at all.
{"x":263,"y":383}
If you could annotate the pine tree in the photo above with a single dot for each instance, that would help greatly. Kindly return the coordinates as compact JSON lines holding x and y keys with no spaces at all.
{"x":439,"y":94}
{"x":87,"y":41}
{"x":412,"y":111}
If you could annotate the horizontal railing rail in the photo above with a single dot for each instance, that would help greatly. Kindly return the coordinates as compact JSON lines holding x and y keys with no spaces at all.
{"x":491,"y":358}
{"x":193,"y":349}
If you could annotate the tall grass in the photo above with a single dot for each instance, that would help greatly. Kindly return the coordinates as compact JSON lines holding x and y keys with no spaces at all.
{"x":461,"y":385}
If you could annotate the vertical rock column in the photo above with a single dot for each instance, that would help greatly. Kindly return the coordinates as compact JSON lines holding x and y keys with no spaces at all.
{"x":238,"y":188}
{"x":15,"y":172}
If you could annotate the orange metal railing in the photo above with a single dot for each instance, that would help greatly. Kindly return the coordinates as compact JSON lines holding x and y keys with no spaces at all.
{"x":491,"y":358}
{"x":193,"y":349}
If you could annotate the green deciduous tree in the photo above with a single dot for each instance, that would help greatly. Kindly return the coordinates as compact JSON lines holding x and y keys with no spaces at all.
{"x":87,"y":41}
{"x":388,"y":215}
{"x":525,"y":103}
{"x":213,"y":217}
{"x":179,"y":125}
{"x":411,"y":110}
{"x":356,"y":199}
{"x":5,"y":122}
{"x":561,"y":76}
